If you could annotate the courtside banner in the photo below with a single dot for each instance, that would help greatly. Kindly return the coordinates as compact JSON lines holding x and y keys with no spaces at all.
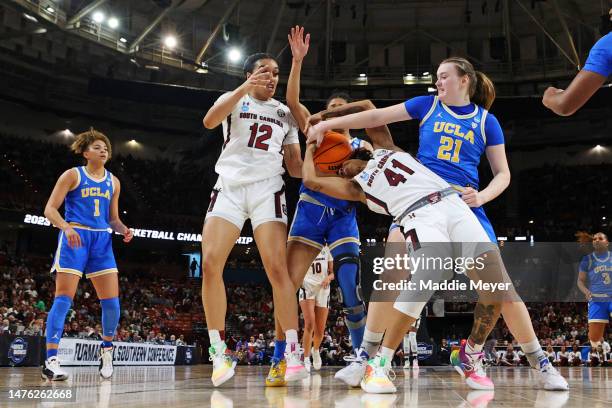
{"x":86,"y":352}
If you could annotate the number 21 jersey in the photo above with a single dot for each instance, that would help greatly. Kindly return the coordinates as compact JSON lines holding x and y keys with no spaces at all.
{"x":254,"y":134}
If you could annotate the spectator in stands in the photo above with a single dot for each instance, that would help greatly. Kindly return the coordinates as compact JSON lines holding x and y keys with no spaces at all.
{"x":550,"y":354}
{"x":575,"y":356}
{"x":596,"y":357}
{"x":73,"y":331}
{"x":35,"y":328}
{"x":4,"y":327}
{"x":444,"y":353}
{"x":181,"y":340}
{"x":508,"y":357}
{"x":563,"y":357}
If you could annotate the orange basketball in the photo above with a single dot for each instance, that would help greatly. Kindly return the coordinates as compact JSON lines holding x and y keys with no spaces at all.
{"x":333,"y":151}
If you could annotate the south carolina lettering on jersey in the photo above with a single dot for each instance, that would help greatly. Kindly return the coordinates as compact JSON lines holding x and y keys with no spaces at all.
{"x":246,"y":115}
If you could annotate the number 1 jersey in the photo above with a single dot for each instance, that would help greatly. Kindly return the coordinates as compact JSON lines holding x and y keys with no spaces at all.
{"x":254,"y":134}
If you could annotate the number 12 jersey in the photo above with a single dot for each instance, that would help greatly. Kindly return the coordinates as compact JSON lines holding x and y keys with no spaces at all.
{"x":254,"y":134}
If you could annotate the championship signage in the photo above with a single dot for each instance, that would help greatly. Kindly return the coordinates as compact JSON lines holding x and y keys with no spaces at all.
{"x":87,"y":352}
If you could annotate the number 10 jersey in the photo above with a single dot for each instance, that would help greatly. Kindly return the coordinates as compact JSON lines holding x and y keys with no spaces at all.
{"x":254,"y":135}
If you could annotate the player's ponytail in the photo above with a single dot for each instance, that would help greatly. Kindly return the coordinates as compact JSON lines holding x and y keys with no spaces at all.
{"x":481,"y":89}
{"x":484,"y":94}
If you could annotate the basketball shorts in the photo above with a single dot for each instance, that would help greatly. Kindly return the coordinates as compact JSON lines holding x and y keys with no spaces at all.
{"x":429,"y":232}
{"x":316,"y":225}
{"x":261,"y":201}
{"x":93,"y":258}
{"x":600,"y":311}
{"x":480,"y":215}
{"x":310,"y":291}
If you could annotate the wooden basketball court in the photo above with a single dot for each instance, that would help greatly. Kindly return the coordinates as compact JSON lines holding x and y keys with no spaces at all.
{"x":190,"y":386}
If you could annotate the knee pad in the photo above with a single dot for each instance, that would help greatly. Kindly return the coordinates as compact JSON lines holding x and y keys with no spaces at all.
{"x":347,"y":268}
{"x":110,"y":316}
{"x":56,"y":318}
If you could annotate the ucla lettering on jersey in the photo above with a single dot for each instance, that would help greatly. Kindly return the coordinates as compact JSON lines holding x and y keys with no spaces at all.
{"x":326,"y":200}
{"x":451,"y":144}
{"x":599,"y":270}
{"x":89,"y":203}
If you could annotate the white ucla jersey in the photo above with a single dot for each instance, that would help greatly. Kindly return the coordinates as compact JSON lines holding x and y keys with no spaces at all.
{"x":392,"y":181}
{"x":319,"y":269}
{"x":254,"y":135}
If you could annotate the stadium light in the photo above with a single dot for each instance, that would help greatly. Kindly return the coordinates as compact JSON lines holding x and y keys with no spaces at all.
{"x":531,"y":221}
{"x":50,"y":9}
{"x":431,"y":89}
{"x":113,"y":22}
{"x":234,"y":55}
{"x":170,"y":41}
{"x":98,"y":17}
{"x":362,"y":75}
{"x":123,"y":40}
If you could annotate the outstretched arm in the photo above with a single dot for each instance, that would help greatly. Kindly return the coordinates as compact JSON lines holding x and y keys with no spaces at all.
{"x":567,"y":102}
{"x":299,"y":48}
{"x":338,"y":187}
{"x":380,"y":135}
{"x":363,"y":120}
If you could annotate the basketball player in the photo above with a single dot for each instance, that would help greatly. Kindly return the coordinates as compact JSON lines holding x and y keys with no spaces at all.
{"x":597,"y":266}
{"x":90,"y":195}
{"x":314,"y":302}
{"x":454,"y":133}
{"x":597,"y":69}
{"x":410,"y":346}
{"x":259,"y":132}
{"x":320,"y":220}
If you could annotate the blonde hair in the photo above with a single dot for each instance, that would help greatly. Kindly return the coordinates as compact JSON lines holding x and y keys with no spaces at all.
{"x":83,"y":140}
{"x":482,"y":90}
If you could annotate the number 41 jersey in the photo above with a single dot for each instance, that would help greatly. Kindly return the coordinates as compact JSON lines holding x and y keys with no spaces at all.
{"x":254,"y":134}
{"x":392,"y":181}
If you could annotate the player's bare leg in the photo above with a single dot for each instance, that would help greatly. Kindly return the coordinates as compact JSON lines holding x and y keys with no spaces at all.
{"x":271,"y":238}
{"x":299,"y":258}
{"x":319,"y":329}
{"x":218,"y":239}
{"x":379,"y":312}
{"x":308,"y":311}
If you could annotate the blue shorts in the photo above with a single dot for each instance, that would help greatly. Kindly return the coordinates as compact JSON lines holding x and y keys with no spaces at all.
{"x":317,"y":225}
{"x":599,"y":312}
{"x":93,"y":258}
{"x":482,"y":218}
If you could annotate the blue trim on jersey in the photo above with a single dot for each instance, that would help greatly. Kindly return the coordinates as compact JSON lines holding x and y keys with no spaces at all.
{"x":89,"y":203}
{"x":600,"y":57}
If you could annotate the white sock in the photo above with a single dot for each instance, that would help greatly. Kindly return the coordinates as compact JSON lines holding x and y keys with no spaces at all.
{"x":214,"y":336}
{"x":477,"y":348}
{"x":291,"y":336}
{"x":530,"y":347}
{"x":387,"y":353}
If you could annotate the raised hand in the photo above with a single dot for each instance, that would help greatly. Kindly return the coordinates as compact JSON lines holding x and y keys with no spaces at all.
{"x":298,"y":43}
{"x":260,"y":78}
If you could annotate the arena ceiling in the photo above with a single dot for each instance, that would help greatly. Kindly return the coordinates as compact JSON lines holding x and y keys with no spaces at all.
{"x":389,"y":42}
